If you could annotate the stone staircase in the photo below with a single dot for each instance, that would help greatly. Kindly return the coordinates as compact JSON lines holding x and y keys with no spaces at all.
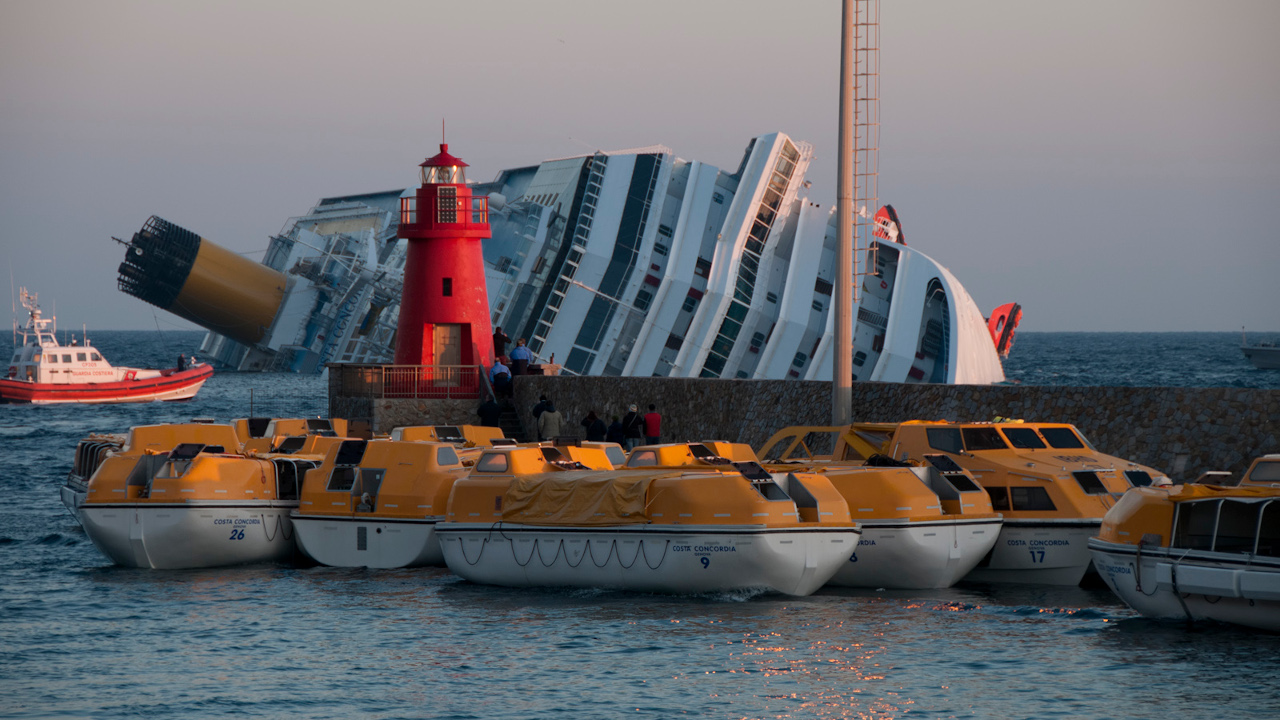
{"x":510,"y":422}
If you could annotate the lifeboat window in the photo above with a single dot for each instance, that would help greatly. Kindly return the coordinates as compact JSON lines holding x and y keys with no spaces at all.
{"x":999,"y":498}
{"x":446,"y":456}
{"x":1269,"y":530}
{"x":286,"y":480}
{"x":290,"y":445}
{"x":1089,"y":482}
{"x":961,"y":482}
{"x":341,"y":479}
{"x":258,"y":426}
{"x":617,"y":458}
{"x":1033,"y":499}
{"x":492,"y":463}
{"x":944,"y":463}
{"x":350,"y":452}
{"x":1061,"y":437}
{"x":318,"y":426}
{"x":1024,"y":438}
{"x":80,"y":357}
{"x":1138,"y":478}
{"x":1237,"y":527}
{"x":945,"y":439}
{"x":96,"y":357}
{"x":1265,"y":472}
{"x":449,"y":433}
{"x":983,"y":438}
{"x":66,"y":358}
{"x":643,"y":458}
{"x":1194,"y":526}
{"x":369,"y":482}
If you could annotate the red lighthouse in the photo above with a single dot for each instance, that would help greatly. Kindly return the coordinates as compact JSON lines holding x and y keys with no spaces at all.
{"x":444,"y":311}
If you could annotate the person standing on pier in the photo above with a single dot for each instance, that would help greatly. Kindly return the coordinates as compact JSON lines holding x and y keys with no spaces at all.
{"x":550,"y":422}
{"x":652,"y":426}
{"x":615,"y":433}
{"x":596,"y":429}
{"x":633,"y":427}
{"x":521,"y":356}
{"x":500,"y":341}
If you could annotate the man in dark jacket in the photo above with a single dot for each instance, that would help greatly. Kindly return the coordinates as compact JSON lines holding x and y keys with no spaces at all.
{"x":633,"y":427}
{"x":596,"y":429}
{"x":615,"y":434}
{"x":490,"y":412}
{"x":500,"y":341}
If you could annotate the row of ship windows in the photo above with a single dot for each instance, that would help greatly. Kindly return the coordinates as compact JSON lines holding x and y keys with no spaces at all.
{"x":52,"y":358}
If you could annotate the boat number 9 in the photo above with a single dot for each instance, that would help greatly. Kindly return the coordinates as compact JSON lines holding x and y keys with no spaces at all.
{"x":237,"y":534}
{"x":1037,"y":556}
{"x":706,"y":561}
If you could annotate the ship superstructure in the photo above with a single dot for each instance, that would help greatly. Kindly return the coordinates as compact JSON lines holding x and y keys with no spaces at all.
{"x":632,"y":262}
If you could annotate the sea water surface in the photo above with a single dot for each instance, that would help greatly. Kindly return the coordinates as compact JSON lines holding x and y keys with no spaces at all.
{"x":81,"y":638}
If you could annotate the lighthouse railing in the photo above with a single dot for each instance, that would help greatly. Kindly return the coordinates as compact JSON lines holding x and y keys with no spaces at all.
{"x":415,"y":382}
{"x":447,"y":210}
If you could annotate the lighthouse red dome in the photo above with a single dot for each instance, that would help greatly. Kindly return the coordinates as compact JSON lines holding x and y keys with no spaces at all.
{"x":443,"y":159}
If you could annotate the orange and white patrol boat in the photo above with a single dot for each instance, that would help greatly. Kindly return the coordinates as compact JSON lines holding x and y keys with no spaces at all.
{"x":1049,"y":483}
{"x":375,"y":503}
{"x":920,"y":528}
{"x":531,"y":517}
{"x":198,"y":502}
{"x":44,"y":372}
{"x":1198,"y":552}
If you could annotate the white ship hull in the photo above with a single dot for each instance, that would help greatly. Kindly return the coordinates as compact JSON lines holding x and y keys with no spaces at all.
{"x":169,"y":537}
{"x":664,"y":559}
{"x":367,"y":542}
{"x":919,"y":555}
{"x":1193,"y":585}
{"x":1050,"y":552}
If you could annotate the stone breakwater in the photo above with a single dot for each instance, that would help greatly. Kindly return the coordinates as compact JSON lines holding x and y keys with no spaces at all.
{"x":1183,"y":431}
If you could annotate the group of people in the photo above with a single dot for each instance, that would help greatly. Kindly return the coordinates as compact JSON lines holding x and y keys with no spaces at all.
{"x":500,"y":374}
{"x":629,"y":431}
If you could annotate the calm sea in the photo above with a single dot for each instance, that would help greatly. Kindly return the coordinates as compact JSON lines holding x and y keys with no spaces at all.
{"x":80,"y":638}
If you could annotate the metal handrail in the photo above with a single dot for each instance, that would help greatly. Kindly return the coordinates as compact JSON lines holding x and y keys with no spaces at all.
{"x":440,"y":382}
{"x":453,"y":211}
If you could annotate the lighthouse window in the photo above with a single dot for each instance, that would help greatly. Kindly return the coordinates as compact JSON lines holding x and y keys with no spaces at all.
{"x":448,"y":287}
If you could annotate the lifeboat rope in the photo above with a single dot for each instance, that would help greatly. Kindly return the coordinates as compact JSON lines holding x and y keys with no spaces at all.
{"x":484,"y":542}
{"x":606,"y":557}
{"x":665,"y":544}
{"x":1173,"y":571}
{"x":559,"y":544}
{"x":279,"y":528}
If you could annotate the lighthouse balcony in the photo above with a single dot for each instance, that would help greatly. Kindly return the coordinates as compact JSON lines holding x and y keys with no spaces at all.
{"x":446,"y":212}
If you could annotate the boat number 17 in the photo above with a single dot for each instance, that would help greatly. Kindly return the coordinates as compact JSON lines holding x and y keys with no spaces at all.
{"x":237,"y":534}
{"x":1037,"y":556}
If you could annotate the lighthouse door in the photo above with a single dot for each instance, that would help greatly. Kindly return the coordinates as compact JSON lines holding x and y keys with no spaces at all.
{"x":447,"y":342}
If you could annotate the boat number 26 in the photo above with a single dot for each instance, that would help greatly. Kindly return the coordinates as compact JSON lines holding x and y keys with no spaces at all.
{"x":237,"y":534}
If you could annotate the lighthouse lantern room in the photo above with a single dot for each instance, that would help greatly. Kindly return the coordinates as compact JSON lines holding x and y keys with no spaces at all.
{"x":444,"y":311}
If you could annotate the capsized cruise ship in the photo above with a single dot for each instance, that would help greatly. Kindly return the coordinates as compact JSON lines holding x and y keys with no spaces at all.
{"x":631,"y":262}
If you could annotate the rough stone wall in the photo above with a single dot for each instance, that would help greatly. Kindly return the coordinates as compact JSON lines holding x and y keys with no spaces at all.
{"x":386,"y":415}
{"x":1183,"y":431}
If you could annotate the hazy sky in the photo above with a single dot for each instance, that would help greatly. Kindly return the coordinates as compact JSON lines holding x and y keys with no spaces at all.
{"x":1109,"y":165}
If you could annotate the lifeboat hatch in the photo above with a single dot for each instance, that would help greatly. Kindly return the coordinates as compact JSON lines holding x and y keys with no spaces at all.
{"x":704,"y":453}
{"x":144,"y":471}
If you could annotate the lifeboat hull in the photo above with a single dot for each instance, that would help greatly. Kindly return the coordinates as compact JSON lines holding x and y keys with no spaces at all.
{"x":73,"y":493}
{"x":660,"y":559}
{"x":174,"y":386}
{"x":171,"y":537}
{"x":917,"y":556}
{"x":1192,"y":585}
{"x":368,"y":542}
{"x":1049,"y":552}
